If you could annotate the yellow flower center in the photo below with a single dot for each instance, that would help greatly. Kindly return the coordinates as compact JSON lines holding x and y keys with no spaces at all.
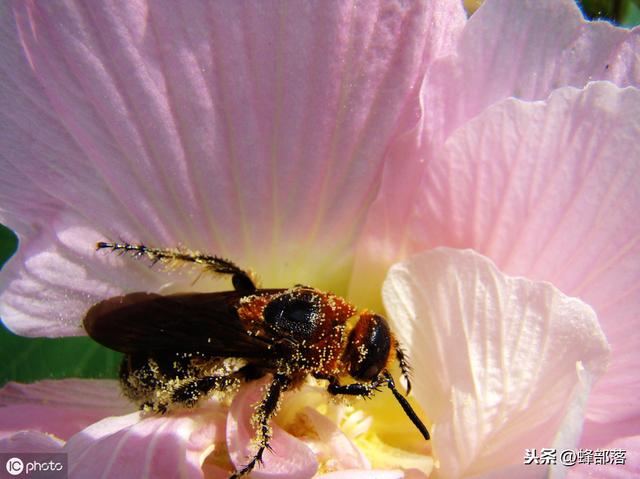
{"x":378,"y":427}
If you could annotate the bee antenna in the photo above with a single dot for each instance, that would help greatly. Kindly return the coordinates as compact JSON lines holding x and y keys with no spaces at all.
{"x":406,"y":406}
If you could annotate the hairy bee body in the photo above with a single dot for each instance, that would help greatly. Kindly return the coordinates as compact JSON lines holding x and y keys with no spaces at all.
{"x":181,"y":348}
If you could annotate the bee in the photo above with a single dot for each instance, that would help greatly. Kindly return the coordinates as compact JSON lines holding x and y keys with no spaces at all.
{"x":183,"y":347}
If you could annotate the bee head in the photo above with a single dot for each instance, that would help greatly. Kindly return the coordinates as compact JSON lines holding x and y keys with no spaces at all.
{"x":368,"y":349}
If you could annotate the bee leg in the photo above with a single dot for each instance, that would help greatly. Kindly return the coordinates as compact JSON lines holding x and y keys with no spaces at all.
{"x":404,"y":365}
{"x":140,"y":380}
{"x":354,"y":389}
{"x":263,"y":413}
{"x":190,"y":393}
{"x":241,"y":279}
{"x":364,"y":389}
{"x":386,"y":377}
{"x":157,"y":407}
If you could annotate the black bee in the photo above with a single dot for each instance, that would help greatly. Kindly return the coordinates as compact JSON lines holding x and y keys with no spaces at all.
{"x":179,"y":348}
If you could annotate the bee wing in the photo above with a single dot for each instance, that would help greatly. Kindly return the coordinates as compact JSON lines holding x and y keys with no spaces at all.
{"x":152,"y":323}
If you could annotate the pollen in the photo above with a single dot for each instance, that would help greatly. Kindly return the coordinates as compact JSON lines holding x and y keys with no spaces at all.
{"x":375,"y":429}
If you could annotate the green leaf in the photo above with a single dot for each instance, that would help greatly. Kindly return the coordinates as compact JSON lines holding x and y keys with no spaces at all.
{"x":30,"y":359}
{"x":632,"y":16}
{"x":622,"y":12}
{"x":8,"y":244}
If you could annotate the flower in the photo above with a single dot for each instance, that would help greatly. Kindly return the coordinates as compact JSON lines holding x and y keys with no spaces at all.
{"x":322,"y":145}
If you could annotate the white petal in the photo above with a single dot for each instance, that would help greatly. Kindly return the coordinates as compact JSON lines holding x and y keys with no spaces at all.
{"x":502,"y":364}
{"x":547,"y":190}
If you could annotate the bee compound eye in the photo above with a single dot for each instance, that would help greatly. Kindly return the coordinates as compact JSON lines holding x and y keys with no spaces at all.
{"x":294,"y":314}
{"x":368,"y":347}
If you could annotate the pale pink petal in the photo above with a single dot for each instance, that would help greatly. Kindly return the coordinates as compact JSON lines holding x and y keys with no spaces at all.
{"x":364,"y":474}
{"x":62,"y":407}
{"x":508,"y":48}
{"x":331,"y":446}
{"x":30,"y":441}
{"x":289,"y":457}
{"x":597,"y":435}
{"x":548,"y":190}
{"x":628,"y":469}
{"x":525,"y":49}
{"x":82,"y":393}
{"x":131,"y":446}
{"x":553,"y":202}
{"x":57,"y":275}
{"x":252,"y":131}
{"x":139,"y":446}
{"x":502,"y":363}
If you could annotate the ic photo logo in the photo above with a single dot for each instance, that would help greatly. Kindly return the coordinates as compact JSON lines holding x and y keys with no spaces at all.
{"x":15,"y":466}
{"x":33,"y":465}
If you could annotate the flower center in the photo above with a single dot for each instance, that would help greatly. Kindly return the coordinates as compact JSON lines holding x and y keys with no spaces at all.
{"x":355,"y":433}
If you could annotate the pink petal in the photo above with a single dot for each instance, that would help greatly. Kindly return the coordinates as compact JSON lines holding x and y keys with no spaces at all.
{"x":289,"y":457}
{"x":508,"y":48}
{"x":30,"y":441}
{"x":548,"y":191}
{"x":256,"y":133}
{"x":598,"y":435}
{"x":331,"y":446}
{"x":553,"y":203}
{"x":56,"y":276}
{"x":503,"y":51}
{"x":61,"y":407}
{"x":364,"y":474}
{"x":630,"y":469}
{"x":502,"y":364}
{"x":525,"y":50}
{"x":138,"y":446}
